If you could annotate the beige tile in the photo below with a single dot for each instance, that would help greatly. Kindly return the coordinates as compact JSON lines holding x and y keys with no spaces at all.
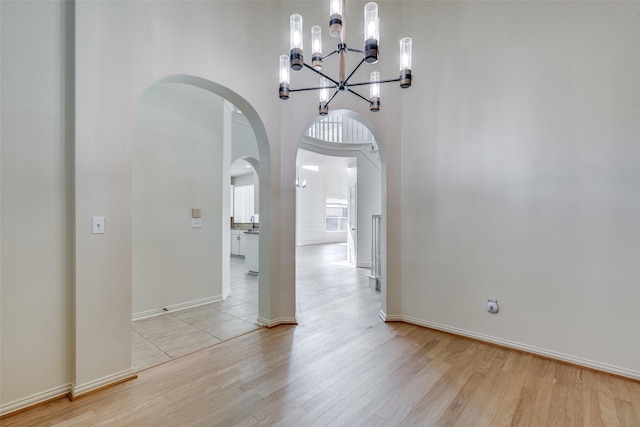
{"x":155,"y":323}
{"x":186,"y":343}
{"x":230,"y":329}
{"x":251,"y":318}
{"x":145,"y":354}
{"x":240,"y":310}
{"x":193,"y":314}
{"x":214,"y":318}
{"x":174,"y":331}
{"x":249,"y":297}
{"x":229,"y":302}
{"x":246,"y":286}
{"x":240,"y":293}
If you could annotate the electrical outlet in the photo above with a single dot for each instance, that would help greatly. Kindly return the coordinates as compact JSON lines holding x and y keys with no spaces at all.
{"x":492,"y":306}
{"x":196,"y":222}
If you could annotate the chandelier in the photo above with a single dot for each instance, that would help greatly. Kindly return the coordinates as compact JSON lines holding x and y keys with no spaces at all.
{"x":329,"y":87}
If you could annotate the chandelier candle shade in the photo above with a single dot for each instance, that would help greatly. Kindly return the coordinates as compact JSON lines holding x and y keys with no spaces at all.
{"x":374,"y":91}
{"x":324,"y":96}
{"x":297,"y":59}
{"x":335,"y":20}
{"x":329,"y":87}
{"x":371,"y":32}
{"x":405,"y":62}
{"x":316,"y":45}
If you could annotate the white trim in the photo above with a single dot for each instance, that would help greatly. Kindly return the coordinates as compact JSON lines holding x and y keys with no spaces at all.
{"x":279,"y":321}
{"x":34,"y":399}
{"x":339,"y":149}
{"x":382,"y":315}
{"x":587,"y":363}
{"x":175,"y":307}
{"x":101,"y":382}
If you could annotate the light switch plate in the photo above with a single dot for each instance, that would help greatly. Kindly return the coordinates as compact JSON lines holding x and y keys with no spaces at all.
{"x":98,"y":225}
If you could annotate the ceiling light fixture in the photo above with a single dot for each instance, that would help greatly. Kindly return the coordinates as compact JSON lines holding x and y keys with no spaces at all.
{"x":330,"y":87}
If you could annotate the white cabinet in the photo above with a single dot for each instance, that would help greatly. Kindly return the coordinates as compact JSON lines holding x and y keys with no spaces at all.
{"x":242,"y":250}
{"x":251,"y":258}
{"x":238,"y":242}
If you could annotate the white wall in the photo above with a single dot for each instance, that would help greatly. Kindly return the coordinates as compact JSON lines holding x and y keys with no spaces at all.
{"x":36,"y":310}
{"x":521,"y":169}
{"x":177,"y":166}
{"x":244,"y":140}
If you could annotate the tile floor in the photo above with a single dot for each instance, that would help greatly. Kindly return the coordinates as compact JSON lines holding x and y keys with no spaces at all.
{"x":158,"y":339}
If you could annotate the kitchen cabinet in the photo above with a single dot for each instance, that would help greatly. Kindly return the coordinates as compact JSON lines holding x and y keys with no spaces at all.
{"x":251,"y":257}
{"x":238,"y":243}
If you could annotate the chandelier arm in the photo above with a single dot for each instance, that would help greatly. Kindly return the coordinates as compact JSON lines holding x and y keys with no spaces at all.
{"x":359,"y":96}
{"x":332,"y":96}
{"x":354,"y":70}
{"x":355,"y":50}
{"x":311,"y":88}
{"x":370,"y":83}
{"x":330,"y":54}
{"x":321,"y":73}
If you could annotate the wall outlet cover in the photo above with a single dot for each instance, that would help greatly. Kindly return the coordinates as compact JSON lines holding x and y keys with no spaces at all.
{"x":492,"y":306}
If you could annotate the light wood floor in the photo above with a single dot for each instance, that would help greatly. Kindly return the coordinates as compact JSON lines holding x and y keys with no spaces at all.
{"x":342,"y":366}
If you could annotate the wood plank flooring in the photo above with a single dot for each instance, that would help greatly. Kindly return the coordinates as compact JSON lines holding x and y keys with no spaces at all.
{"x":342,"y":366}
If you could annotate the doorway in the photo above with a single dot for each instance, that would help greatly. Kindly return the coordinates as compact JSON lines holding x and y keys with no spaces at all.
{"x":181,"y":164}
{"x":351,"y":203}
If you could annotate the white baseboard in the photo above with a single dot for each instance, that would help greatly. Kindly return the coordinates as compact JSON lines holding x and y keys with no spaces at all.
{"x":279,"y":321}
{"x":66,"y":390}
{"x":34,"y":399}
{"x":175,"y":307}
{"x":592,"y":364}
{"x":388,"y":318}
{"x":78,"y":390}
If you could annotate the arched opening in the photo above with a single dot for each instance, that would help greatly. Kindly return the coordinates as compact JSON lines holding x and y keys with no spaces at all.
{"x":339,"y":200}
{"x":184,"y":132}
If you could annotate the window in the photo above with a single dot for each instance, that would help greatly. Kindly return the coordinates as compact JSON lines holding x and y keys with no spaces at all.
{"x":337,"y":214}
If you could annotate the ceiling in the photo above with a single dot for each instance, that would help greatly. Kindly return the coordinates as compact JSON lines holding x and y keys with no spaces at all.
{"x":310,"y":158}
